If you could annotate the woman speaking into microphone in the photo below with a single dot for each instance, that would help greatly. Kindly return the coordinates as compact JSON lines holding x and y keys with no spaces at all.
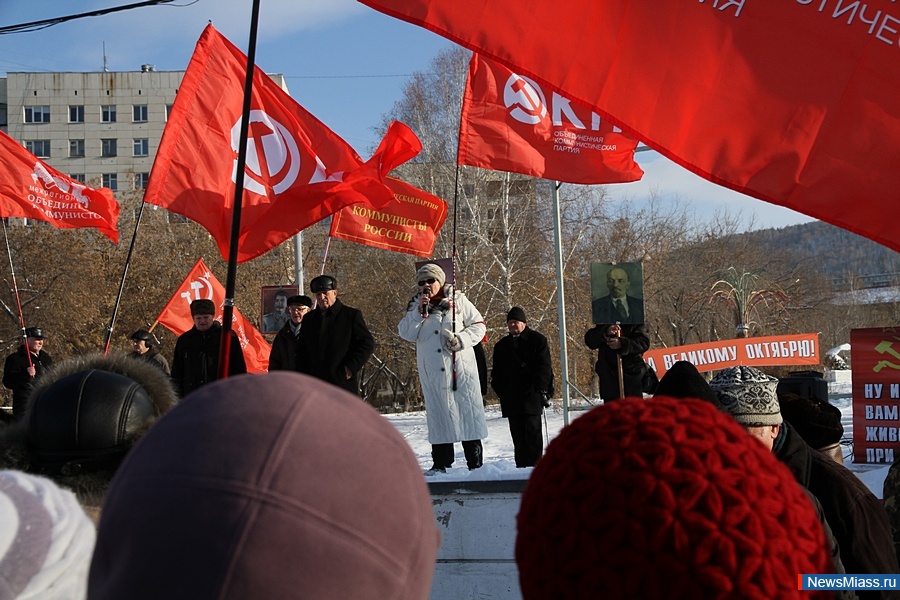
{"x":445,"y":326}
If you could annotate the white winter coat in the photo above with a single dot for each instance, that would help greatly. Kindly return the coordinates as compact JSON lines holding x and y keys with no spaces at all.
{"x":452,"y":416}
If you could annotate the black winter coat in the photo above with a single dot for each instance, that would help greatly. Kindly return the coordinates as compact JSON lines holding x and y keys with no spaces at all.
{"x":521,"y":373}
{"x":634,"y":343}
{"x":329,"y":342}
{"x":195,"y":361}
{"x":16,"y":377}
{"x":284,"y":350}
{"x":857,"y":519}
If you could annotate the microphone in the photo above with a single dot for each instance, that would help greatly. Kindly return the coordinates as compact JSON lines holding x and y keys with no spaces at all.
{"x":423,"y":307}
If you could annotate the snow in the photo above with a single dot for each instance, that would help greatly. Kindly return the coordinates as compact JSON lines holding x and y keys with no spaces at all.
{"x":499,"y":463}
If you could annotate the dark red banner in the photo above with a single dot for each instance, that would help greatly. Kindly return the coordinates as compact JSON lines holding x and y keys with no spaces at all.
{"x":875,"y":358}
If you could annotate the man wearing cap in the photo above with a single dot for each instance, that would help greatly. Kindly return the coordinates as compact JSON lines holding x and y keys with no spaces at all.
{"x":521,"y":376}
{"x":284,"y":347}
{"x":195,"y":361}
{"x":334,"y":342}
{"x":142,"y":342}
{"x":25,"y":365}
{"x":857,"y":519}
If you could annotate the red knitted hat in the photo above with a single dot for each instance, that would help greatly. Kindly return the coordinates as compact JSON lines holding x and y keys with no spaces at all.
{"x":664,"y":498}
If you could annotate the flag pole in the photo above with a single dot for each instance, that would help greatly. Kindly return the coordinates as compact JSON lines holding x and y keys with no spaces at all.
{"x":228,"y":309}
{"x":453,"y":266}
{"x":561,"y":301}
{"x":16,"y":293}
{"x":115,"y":314}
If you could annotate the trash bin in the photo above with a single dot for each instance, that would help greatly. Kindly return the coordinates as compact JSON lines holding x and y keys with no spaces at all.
{"x":804,"y":384}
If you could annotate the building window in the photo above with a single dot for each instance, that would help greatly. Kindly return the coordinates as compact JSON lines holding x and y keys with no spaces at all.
{"x":168,"y":111}
{"x":140,"y":180}
{"x":108,"y":113}
{"x":79,"y":177}
{"x":108,"y":147}
{"x":76,"y":114}
{"x":76,"y":148}
{"x":141,"y":147}
{"x":139,"y":113}
{"x":37,"y":114}
{"x":111,"y":181}
{"x":40,"y":148}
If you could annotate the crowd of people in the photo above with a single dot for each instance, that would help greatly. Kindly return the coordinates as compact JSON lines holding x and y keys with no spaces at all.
{"x":126,"y":476}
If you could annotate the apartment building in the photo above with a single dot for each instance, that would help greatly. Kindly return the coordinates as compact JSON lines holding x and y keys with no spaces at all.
{"x":101,"y":128}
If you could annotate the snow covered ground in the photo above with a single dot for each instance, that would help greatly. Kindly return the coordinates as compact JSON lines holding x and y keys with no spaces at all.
{"x":498,"y":449}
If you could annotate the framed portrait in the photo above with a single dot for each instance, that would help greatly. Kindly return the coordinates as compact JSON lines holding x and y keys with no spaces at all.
{"x":273,"y":306}
{"x":617,"y":293}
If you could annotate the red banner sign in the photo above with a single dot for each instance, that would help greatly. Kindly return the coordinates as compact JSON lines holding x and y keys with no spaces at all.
{"x":201,"y":283}
{"x":409,"y":223}
{"x":513,"y":123}
{"x":797,"y":349}
{"x":875,"y":356}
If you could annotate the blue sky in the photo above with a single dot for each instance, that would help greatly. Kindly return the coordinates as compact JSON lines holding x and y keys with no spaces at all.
{"x":344,"y":62}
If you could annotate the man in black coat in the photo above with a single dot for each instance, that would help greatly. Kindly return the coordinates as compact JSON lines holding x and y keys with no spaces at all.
{"x":334,"y":342}
{"x":20,"y":371}
{"x":142,"y":341}
{"x":195,"y":361}
{"x":284,"y":347}
{"x":521,"y":376}
{"x":614,"y":342}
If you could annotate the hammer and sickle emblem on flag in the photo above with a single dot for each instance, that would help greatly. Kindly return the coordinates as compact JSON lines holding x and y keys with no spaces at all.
{"x":887,"y":347}
{"x":525,"y":100}
{"x":273,"y":158}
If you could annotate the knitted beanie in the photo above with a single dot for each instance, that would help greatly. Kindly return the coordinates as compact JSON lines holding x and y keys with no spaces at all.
{"x":683,"y":380}
{"x":46,"y":540}
{"x":748,"y":395}
{"x":664,"y":498}
{"x":267,"y":486}
{"x":817,"y":421}
{"x":516,"y":314}
{"x":430,"y":270}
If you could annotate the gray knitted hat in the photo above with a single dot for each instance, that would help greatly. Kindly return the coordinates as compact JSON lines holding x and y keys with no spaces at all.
{"x":748,"y":395}
{"x":431,"y":270}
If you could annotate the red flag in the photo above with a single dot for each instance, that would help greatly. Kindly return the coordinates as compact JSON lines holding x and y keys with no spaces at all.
{"x":794,"y":103}
{"x":298,"y":171}
{"x":201,"y":283}
{"x":509,"y":123}
{"x":32,"y":189}
{"x":410,"y":223}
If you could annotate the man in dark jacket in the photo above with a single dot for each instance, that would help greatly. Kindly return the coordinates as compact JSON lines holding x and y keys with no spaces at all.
{"x":24,"y":366}
{"x":142,"y":342}
{"x":857,"y":519}
{"x":195,"y":361}
{"x":521,"y":376}
{"x":619,"y":342}
{"x":284,"y":347}
{"x":334,"y":342}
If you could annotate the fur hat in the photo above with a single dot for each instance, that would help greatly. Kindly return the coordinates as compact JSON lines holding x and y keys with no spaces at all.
{"x":817,"y":421}
{"x":46,"y":541}
{"x":307,"y":493}
{"x":322,"y":283}
{"x":202,"y":306}
{"x":667,"y":498}
{"x":300,"y":301}
{"x":429,"y":271}
{"x":516,"y":314}
{"x":83,"y":416}
{"x":748,"y":395}
{"x":683,"y":380}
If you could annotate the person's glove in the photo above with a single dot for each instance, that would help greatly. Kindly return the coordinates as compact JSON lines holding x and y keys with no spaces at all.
{"x":452,"y":341}
{"x":545,"y":399}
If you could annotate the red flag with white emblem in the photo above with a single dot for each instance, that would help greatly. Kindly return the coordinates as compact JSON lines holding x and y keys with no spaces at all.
{"x":514,"y":123}
{"x":297,"y":171}
{"x":32,"y":189}
{"x":202,"y":284}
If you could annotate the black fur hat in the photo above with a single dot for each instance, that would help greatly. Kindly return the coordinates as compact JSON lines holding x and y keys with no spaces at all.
{"x":683,"y":380}
{"x":203,"y":307}
{"x":817,"y":421}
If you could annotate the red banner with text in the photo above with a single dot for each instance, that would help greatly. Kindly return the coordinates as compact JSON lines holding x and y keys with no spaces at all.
{"x":409,"y":223}
{"x":875,"y":357}
{"x":796,"y":349}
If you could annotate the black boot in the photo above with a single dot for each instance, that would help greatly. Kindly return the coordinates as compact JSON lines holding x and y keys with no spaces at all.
{"x":474,"y":454}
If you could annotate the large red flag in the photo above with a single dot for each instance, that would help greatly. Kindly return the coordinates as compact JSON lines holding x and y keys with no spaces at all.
{"x":794,"y":103}
{"x":509,"y":123}
{"x":410,"y":223}
{"x":298,"y":171}
{"x":201,"y":283}
{"x":32,"y":189}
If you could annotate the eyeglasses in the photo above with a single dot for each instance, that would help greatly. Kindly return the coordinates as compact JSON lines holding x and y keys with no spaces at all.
{"x":428,"y":281}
